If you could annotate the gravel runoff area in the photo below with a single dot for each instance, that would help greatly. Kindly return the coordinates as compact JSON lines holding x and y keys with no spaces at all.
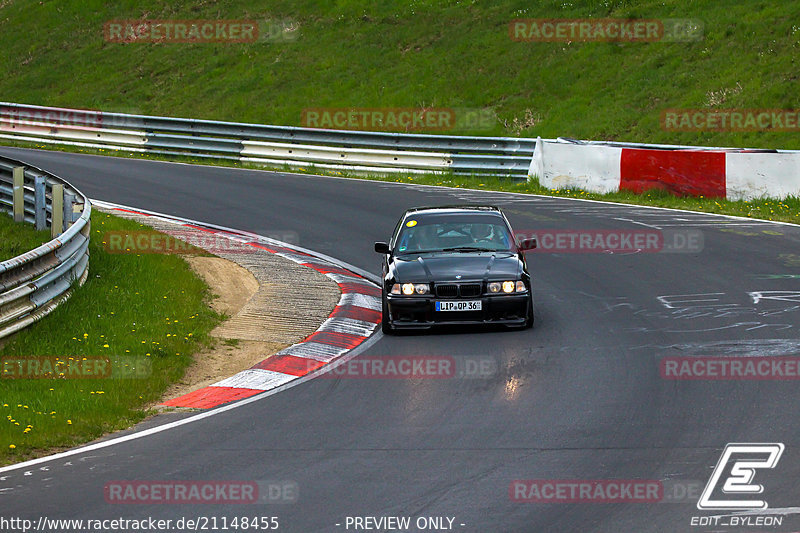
{"x":272,"y":301}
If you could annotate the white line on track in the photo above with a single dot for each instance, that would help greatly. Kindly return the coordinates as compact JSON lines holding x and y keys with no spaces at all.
{"x":196,"y":418}
{"x":207,"y":414}
{"x":637,"y":222}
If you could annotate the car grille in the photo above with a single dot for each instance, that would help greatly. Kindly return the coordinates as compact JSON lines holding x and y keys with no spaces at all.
{"x":447,"y":290}
{"x":451,"y":290}
{"x":472,"y":289}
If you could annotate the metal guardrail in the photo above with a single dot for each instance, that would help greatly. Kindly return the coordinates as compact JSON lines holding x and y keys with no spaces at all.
{"x":35,"y":283}
{"x":355,"y":151}
{"x":311,"y":148}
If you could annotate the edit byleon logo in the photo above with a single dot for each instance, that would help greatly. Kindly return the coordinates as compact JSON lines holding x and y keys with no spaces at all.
{"x":734,"y":475}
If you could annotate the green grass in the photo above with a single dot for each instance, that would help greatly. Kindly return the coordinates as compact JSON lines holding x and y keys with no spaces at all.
{"x":432,"y":53}
{"x":146,"y":311}
{"x":17,"y":238}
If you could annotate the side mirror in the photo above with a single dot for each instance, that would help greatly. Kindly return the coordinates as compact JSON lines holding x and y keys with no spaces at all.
{"x":527,"y":244}
{"x":382,"y":247}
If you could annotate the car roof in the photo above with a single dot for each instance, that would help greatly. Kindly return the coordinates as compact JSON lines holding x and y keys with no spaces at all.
{"x":453,"y":209}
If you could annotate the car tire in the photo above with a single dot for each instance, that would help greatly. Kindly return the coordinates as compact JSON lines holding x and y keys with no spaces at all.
{"x":386,"y":326}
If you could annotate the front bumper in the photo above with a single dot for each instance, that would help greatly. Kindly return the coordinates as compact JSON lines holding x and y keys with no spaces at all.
{"x":418,"y":312}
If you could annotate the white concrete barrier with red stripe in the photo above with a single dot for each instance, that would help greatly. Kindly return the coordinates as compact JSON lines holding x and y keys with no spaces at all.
{"x":351,"y":322}
{"x":722,"y":173}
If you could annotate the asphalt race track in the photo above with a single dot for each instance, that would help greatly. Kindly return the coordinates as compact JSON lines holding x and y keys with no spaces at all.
{"x":578,"y":397}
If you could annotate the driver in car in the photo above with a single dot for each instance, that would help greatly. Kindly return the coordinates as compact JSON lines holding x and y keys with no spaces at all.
{"x":485,"y":234}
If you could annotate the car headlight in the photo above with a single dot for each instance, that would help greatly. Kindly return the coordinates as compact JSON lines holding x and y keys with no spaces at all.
{"x":506,"y":287}
{"x":408,"y":289}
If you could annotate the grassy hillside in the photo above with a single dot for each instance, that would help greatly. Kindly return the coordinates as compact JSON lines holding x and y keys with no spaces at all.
{"x":418,"y":54}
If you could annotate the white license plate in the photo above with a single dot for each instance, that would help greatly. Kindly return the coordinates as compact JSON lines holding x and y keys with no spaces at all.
{"x":470,"y":305}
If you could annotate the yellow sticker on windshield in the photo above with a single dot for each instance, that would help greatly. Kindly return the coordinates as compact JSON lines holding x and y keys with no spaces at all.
{"x":411,"y":223}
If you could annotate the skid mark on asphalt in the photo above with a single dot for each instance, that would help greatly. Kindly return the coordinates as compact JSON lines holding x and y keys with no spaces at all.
{"x":748,"y":311}
{"x":734,"y":348}
{"x":782,"y":296}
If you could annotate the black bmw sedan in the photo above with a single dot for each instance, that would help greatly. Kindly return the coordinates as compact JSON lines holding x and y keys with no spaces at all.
{"x":455,"y":265}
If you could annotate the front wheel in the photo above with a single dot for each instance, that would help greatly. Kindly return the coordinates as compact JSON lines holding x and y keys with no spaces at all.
{"x":386,"y":326}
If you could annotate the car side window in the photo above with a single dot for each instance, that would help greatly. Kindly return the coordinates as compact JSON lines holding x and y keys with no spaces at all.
{"x":402,"y":244}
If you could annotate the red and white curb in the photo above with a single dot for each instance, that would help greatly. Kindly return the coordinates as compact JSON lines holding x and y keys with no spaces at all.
{"x":351,"y":322}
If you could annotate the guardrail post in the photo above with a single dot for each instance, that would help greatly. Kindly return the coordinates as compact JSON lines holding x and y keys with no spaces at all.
{"x":57,"y":214}
{"x":69,"y":210}
{"x":19,"y":194}
{"x":40,"y":202}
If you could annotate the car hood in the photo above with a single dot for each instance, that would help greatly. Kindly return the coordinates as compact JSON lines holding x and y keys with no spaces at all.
{"x":445,"y":267}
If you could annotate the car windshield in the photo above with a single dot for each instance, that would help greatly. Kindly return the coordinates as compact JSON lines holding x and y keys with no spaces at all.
{"x":454,"y":234}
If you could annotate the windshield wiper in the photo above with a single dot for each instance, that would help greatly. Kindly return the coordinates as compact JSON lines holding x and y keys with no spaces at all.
{"x":466,"y":249}
{"x":413,"y":252}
